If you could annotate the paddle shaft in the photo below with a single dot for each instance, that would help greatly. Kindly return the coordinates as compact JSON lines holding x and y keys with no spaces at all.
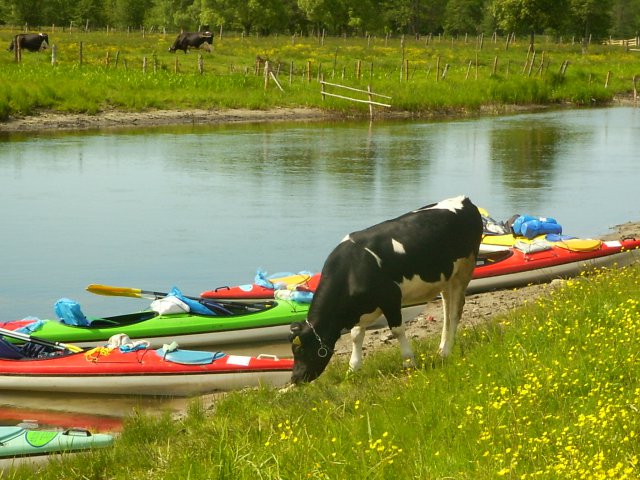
{"x":40,"y":341}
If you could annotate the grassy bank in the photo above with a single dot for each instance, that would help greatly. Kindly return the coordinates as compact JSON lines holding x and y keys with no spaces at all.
{"x":550,"y":391}
{"x":97,"y":71}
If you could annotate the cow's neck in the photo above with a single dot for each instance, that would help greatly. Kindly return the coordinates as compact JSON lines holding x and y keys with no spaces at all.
{"x":326,"y":337}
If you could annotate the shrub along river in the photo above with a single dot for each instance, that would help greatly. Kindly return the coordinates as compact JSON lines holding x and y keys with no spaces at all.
{"x":204,"y":206}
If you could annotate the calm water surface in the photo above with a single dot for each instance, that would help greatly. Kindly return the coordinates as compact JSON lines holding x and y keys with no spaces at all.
{"x":201,"y":207}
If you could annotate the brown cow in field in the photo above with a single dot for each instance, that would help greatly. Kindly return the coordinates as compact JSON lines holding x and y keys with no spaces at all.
{"x":187,"y":40}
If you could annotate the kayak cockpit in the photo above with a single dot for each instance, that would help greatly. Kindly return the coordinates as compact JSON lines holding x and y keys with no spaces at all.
{"x":217,"y":310}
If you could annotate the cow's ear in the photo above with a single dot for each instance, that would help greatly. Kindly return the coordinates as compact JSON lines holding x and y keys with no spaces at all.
{"x":294,"y":337}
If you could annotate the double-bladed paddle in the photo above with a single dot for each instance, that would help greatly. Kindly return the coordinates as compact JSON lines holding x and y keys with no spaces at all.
{"x":111,"y":291}
{"x":127,"y":292}
{"x":40,"y":341}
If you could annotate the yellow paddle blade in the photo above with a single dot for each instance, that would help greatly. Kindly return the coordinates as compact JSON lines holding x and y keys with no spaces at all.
{"x":114,"y":291}
{"x":72,"y":348}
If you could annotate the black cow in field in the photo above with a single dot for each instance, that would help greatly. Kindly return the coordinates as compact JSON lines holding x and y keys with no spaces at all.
{"x":187,"y":40}
{"x":33,"y":42}
{"x":405,"y":261}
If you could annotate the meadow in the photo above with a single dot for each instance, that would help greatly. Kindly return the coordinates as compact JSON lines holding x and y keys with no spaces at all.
{"x":133,"y":71}
{"x":548,"y":391}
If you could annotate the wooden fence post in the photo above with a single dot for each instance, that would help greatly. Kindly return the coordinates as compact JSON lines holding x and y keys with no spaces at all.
{"x":54,"y":56}
{"x":495,"y":66}
{"x":80,"y":54}
{"x":476,"y":66}
{"x":444,"y":72}
{"x":17,"y":51}
{"x":106,"y":60}
{"x":370,"y":100}
{"x":117,"y":58}
{"x":200,"y":64}
{"x":291,"y":72}
{"x":266,"y":74}
{"x":533,"y":59}
{"x":606,"y":83}
{"x":144,"y":64}
{"x":322,"y":88}
{"x":308,"y":70}
{"x":635,"y":91}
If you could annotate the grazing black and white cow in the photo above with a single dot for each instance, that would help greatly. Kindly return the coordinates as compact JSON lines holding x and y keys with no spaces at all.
{"x":187,"y":40}
{"x":33,"y":42}
{"x":405,"y":261}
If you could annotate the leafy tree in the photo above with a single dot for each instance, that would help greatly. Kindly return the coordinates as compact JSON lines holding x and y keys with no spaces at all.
{"x":127,"y":13}
{"x":590,"y":17}
{"x":26,"y":11}
{"x":333,"y":14}
{"x":463,"y":16}
{"x":625,"y":18}
{"x":91,"y":10}
{"x":528,"y":16}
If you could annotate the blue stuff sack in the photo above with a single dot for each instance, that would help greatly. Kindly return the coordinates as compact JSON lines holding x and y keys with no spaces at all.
{"x":540,"y":225}
{"x":194,"y":305}
{"x":301,"y":296}
{"x":262,"y":280}
{"x":533,"y":228}
{"x":69,"y":312}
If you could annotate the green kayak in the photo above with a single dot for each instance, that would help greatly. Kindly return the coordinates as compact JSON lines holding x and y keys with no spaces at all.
{"x":230,"y":323}
{"x":16,"y":441}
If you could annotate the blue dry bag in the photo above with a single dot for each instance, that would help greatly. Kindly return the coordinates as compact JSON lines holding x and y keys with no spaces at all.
{"x":69,"y":312}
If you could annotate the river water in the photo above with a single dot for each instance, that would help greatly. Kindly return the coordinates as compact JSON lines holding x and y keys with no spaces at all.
{"x":204,"y":206}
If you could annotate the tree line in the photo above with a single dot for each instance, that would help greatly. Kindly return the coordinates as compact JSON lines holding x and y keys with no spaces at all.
{"x":579,"y":19}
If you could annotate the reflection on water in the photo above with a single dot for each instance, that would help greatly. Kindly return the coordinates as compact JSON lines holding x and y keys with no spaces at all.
{"x":204,"y":206}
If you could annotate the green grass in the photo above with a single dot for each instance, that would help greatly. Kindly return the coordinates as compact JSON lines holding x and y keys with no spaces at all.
{"x":549,"y":391}
{"x":111,"y":74}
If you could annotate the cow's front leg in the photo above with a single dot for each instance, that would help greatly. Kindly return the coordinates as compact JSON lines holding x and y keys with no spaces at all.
{"x":408,"y":358}
{"x":357,"y":339}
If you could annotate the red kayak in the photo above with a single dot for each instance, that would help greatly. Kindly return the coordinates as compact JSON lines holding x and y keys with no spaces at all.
{"x":142,"y":371}
{"x":60,"y":419}
{"x":511,"y":267}
{"x":254,"y":292}
{"x":514,"y":267}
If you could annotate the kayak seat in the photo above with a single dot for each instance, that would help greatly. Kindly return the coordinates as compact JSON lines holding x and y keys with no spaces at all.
{"x":120,"y":320}
{"x":18,"y":352}
{"x":216,"y":308}
{"x":10,"y":351}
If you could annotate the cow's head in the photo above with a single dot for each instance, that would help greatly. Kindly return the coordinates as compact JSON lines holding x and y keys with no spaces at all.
{"x":310,"y":353}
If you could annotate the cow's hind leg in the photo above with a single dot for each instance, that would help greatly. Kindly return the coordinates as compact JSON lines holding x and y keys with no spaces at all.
{"x":452,"y":303}
{"x":357,"y":339}
{"x":453,"y":298}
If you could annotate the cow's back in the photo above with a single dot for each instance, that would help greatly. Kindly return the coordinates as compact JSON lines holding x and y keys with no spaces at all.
{"x":425,"y":241}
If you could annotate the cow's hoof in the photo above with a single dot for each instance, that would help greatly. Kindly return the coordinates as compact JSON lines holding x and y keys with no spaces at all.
{"x":288,"y":388}
{"x":351,"y":374}
{"x":409,"y":363}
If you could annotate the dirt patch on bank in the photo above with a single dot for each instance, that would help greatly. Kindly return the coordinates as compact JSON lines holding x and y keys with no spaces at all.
{"x":44,"y":120}
{"x":120,"y":119}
